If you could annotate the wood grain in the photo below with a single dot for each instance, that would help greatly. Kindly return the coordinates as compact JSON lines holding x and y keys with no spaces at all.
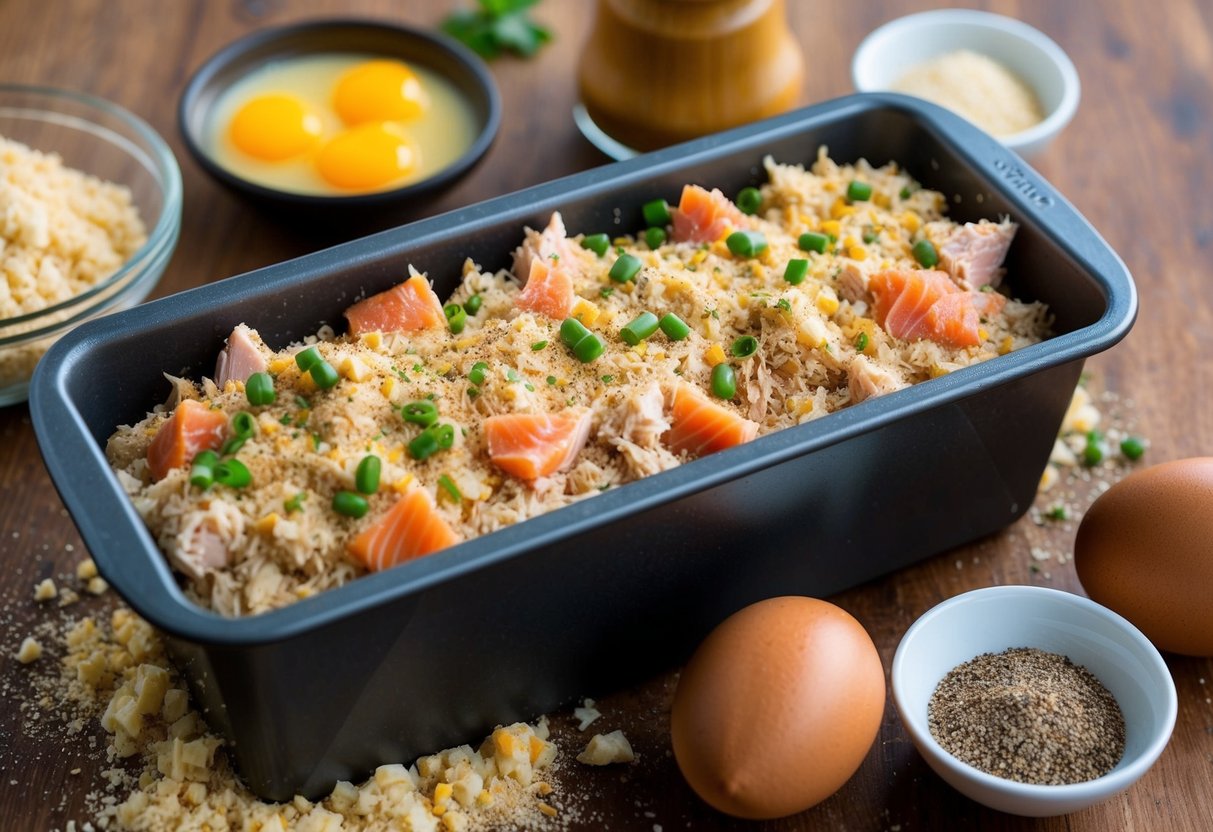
{"x":1136,"y":161}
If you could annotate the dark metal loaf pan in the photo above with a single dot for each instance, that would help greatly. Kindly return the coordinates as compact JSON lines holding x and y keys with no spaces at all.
{"x":600,"y":593}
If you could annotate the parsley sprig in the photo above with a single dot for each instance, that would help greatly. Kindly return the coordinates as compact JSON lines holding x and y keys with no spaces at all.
{"x":498,"y":26}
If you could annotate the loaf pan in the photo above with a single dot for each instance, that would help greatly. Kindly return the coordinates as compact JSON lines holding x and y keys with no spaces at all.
{"x":606,"y":591}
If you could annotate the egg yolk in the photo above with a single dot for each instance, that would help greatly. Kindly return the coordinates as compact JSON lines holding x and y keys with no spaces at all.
{"x":367,"y":157}
{"x":275,"y":127}
{"x":379,"y":91}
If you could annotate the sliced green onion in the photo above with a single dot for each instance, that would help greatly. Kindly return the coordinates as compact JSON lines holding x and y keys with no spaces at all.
{"x":906,"y":192}
{"x":350,"y":504}
{"x":859,"y":191}
{"x":597,"y":243}
{"x":654,"y":237}
{"x":724,"y":381}
{"x":422,"y":412}
{"x":749,"y":200}
{"x":244,"y":425}
{"x":674,"y":327}
{"x":366,"y":476}
{"x":233,"y":445}
{"x":423,"y":445}
{"x":1092,"y":454}
{"x":448,"y":485}
{"x":861,"y":341}
{"x":625,"y":268}
{"x":538,"y":345}
{"x":656,"y":213}
{"x":259,"y":389}
{"x":472,"y":305}
{"x":456,"y":317}
{"x":589,"y":348}
{"x":572,"y":331}
{"x":1132,"y":448}
{"x":232,"y":473}
{"x":551,"y":379}
{"x":813,"y":241}
{"x":746,"y":243}
{"x":445,"y":434}
{"x":639,"y":328}
{"x":870,"y":236}
{"x":294,"y":503}
{"x":796,"y":271}
{"x":305,"y":359}
{"x":1058,"y":512}
{"x":476,"y":375}
{"x":925,"y":253}
{"x":202,"y":472}
{"x":324,"y":375}
{"x":744,"y":347}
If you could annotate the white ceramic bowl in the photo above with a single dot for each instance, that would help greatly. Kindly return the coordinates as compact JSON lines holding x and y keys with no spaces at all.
{"x":886,"y":54}
{"x":994,"y":619}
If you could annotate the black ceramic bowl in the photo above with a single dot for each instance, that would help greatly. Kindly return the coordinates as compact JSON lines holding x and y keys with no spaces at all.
{"x":416,"y":46}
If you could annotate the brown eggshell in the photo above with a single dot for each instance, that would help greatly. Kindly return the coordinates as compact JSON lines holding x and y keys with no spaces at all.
{"x":1145,"y":549}
{"x":777,"y":708}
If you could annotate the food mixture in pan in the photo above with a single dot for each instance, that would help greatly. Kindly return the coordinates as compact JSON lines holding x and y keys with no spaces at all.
{"x":592,"y":362}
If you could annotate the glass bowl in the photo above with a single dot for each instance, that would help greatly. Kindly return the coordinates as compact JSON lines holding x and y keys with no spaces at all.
{"x":106,"y":141}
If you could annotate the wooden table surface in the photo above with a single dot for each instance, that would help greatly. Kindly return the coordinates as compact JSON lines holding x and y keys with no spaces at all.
{"x":1136,"y":161}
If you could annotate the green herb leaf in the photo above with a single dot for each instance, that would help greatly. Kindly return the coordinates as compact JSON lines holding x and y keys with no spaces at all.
{"x":498,"y":26}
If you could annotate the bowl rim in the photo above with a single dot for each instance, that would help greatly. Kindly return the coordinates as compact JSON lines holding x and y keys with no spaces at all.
{"x":1113,"y":781}
{"x":1051,"y":124}
{"x":160,"y":162}
{"x":235,"y":49}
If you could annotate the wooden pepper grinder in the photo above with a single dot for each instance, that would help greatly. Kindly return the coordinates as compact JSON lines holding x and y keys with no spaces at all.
{"x":657,"y":72}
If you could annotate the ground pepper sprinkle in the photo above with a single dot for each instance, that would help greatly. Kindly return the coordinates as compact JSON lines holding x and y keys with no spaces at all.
{"x":1030,"y":716}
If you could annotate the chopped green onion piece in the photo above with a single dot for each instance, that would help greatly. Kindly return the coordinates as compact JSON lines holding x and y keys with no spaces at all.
{"x":589,"y":348}
{"x":233,"y":445}
{"x":925,"y":254}
{"x":784,"y":304}
{"x":656,"y":213}
{"x":445,"y":434}
{"x":1092,"y":454}
{"x":350,"y":504}
{"x":639,"y":328}
{"x":746,"y":243}
{"x":870,"y":236}
{"x":724,"y":381}
{"x":448,"y":485}
{"x":674,"y":327}
{"x":472,"y":305}
{"x":597,"y":243}
{"x":456,"y":317}
{"x":302,"y":403}
{"x":259,"y":389}
{"x":366,"y":476}
{"x":244,"y":425}
{"x":323,"y":374}
{"x":796,"y":271}
{"x":202,"y":473}
{"x":654,"y":237}
{"x":232,"y":473}
{"x":512,"y":375}
{"x":813,"y":241}
{"x":861,"y":341}
{"x":295,"y":503}
{"x":305,"y":359}
{"x":422,"y":412}
{"x":551,"y":379}
{"x":744,"y":347}
{"x":572,"y":331}
{"x":606,"y":291}
{"x":1132,"y":448}
{"x":1058,"y":512}
{"x":905,"y":192}
{"x":859,"y":191}
{"x":476,"y":375}
{"x":538,"y":345}
{"x":749,"y":200}
{"x":625,"y":268}
{"x":423,"y":445}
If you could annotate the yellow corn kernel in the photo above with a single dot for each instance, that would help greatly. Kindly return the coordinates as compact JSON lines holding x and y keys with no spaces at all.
{"x":805,"y":407}
{"x":698,"y":257}
{"x":269,"y":427}
{"x":857,"y":253}
{"x":464,"y":343}
{"x":389,"y":384}
{"x":910,"y":221}
{"x":544,"y":788}
{"x":827,"y":301}
{"x":641,"y":348}
{"x":537,"y":746}
{"x":353,"y":369}
{"x":720,"y":249}
{"x":758,"y":270}
{"x":983,"y":334}
{"x":277,"y":365}
{"x":401,"y":485}
{"x":395,"y":454}
{"x":829,"y":187}
{"x":849,"y":241}
{"x":439,"y":810}
{"x":548,"y":809}
{"x":937,"y":371}
{"x":503,"y":741}
{"x":585,"y":311}
{"x":443,"y":792}
{"x":840,"y":209}
{"x":832,"y":227}
{"x":743,"y":300}
{"x":1005,"y":345}
{"x":266,"y":524}
{"x":620,"y":241}
{"x":306,"y":382}
{"x":881,"y":199}
{"x":809,"y":220}
{"x":371,"y":340}
{"x":714,"y":355}
{"x":444,"y":368}
{"x":304,"y":592}
{"x":336,"y":454}
{"x":484,"y":798}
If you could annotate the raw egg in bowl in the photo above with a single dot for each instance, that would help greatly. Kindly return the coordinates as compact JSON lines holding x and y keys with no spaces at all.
{"x":340,"y":114}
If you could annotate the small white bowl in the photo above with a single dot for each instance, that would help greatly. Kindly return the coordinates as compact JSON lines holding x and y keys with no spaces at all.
{"x":889,"y":51}
{"x":997,"y":618}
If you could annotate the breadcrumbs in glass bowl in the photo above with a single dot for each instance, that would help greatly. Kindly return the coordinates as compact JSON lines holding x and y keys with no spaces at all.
{"x":90,"y":211}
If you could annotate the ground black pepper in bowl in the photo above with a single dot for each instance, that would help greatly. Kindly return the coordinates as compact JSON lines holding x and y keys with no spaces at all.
{"x":1030,"y":716}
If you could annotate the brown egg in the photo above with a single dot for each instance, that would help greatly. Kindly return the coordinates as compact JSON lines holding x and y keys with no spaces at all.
{"x":777,"y":708}
{"x":1145,"y":549}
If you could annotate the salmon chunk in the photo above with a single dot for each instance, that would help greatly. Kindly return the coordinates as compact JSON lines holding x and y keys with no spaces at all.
{"x":547,"y":246}
{"x":921,"y":303}
{"x":703,"y":216}
{"x":973,"y":252}
{"x":408,"y":306}
{"x":410,"y":528}
{"x":548,"y":291}
{"x":192,"y":428}
{"x":700,"y":426}
{"x":533,"y":445}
